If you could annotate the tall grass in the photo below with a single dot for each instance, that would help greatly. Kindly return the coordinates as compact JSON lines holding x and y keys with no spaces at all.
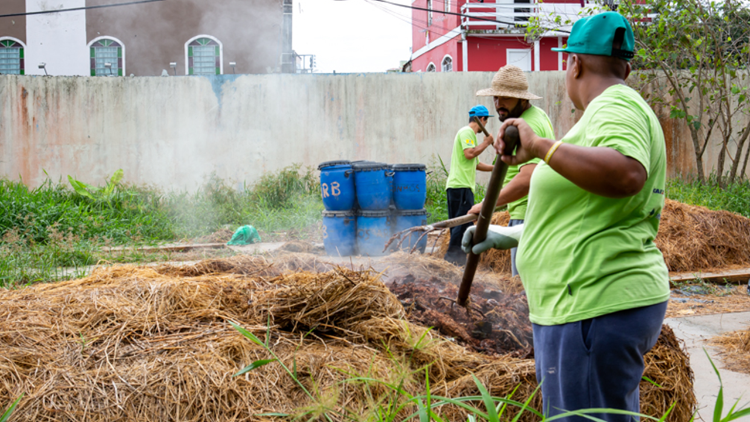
{"x":735,"y":197}
{"x":54,"y":232}
{"x":130,"y":212}
{"x":437,"y":201}
{"x":287,"y":199}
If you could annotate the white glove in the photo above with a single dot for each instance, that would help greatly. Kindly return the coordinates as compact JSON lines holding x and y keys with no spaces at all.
{"x":498,"y":237}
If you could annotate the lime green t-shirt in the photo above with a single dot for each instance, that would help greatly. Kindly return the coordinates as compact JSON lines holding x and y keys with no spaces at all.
{"x":463,"y":172}
{"x":583,"y":255}
{"x":540,"y":123}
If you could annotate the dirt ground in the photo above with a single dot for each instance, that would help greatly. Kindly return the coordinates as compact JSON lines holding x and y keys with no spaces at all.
{"x":699,"y":299}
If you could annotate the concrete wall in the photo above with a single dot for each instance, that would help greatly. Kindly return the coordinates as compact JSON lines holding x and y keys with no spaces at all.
{"x":173,"y":132}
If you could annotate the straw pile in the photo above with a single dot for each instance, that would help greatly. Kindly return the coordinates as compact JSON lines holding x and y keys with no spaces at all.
{"x":696,"y":238}
{"x":690,"y":237}
{"x":153,"y":344}
{"x":735,"y":348}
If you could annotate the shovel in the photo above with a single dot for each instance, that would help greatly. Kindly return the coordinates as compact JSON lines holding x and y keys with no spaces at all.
{"x":488,"y":207}
{"x":484,"y":217}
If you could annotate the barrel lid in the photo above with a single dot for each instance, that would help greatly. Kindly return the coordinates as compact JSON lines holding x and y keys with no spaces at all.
{"x":409,"y":167}
{"x":369,"y":213}
{"x":348,"y":213}
{"x":408,"y":213}
{"x":369,"y":166}
{"x":334,"y":163}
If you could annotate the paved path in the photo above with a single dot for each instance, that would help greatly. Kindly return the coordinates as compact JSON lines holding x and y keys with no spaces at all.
{"x":697,"y":331}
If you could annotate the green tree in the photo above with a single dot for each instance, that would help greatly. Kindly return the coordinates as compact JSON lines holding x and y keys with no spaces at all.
{"x":691,"y":56}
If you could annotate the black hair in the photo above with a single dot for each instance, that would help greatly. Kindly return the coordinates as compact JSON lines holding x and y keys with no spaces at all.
{"x":471,"y":118}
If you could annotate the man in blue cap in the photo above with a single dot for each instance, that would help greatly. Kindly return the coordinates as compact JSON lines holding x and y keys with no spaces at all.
{"x":596,"y":283}
{"x":462,"y":177}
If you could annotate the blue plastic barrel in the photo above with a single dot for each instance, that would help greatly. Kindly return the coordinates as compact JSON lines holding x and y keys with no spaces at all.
{"x":337,"y":185}
{"x":406,"y":219}
{"x":373,"y":231}
{"x":389,"y":176}
{"x":340,"y":232}
{"x":371,"y":185}
{"x":409,"y":186}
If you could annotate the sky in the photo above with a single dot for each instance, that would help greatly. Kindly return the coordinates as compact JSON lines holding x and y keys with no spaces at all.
{"x":349,"y":36}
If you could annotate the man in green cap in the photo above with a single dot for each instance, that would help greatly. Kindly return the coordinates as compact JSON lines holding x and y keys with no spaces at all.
{"x":596,"y":283}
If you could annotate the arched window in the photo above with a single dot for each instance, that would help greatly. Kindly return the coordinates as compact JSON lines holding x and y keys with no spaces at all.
{"x":431,"y":67}
{"x":204,"y":56}
{"x":11,"y":57}
{"x":447,"y":64}
{"x":107,"y":57}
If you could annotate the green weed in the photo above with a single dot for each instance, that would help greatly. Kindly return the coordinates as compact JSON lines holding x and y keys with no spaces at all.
{"x":57,"y":230}
{"x":289,"y":199}
{"x":734,"y":197}
{"x":733,"y":413}
{"x":437,"y":201}
{"x":6,"y":415}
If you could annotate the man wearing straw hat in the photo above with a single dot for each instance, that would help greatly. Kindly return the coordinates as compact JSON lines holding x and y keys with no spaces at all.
{"x":596,"y":283}
{"x":510,"y":91}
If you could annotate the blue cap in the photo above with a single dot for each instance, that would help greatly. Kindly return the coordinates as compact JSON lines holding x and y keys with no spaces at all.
{"x":479,"y":111}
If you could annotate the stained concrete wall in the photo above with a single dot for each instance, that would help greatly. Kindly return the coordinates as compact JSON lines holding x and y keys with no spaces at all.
{"x":174,"y":132}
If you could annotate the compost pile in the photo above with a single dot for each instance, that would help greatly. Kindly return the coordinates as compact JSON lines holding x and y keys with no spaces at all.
{"x":497,"y":323}
{"x":691,"y":238}
{"x":154,"y":344}
{"x":696,"y":238}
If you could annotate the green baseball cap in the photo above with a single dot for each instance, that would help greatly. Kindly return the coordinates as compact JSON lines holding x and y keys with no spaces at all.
{"x":596,"y":35}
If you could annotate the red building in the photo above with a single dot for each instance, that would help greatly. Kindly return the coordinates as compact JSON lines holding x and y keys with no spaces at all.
{"x":488,"y":36}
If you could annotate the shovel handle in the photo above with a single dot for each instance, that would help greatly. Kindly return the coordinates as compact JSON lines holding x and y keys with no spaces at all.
{"x":481,"y":126}
{"x":455,"y":222}
{"x":488,"y":207}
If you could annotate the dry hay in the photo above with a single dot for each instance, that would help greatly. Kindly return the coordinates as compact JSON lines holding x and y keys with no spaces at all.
{"x":222,"y":235}
{"x":694,"y":238}
{"x":735,"y":350}
{"x":302,"y":246}
{"x":668,"y":365}
{"x":148,"y":344}
{"x":690,"y":238}
{"x":249,"y":266}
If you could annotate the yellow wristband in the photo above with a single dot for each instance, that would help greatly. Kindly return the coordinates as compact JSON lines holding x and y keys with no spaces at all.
{"x":552,"y":150}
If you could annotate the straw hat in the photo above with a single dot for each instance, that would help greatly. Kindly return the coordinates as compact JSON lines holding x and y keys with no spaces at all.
{"x":509,"y":81}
